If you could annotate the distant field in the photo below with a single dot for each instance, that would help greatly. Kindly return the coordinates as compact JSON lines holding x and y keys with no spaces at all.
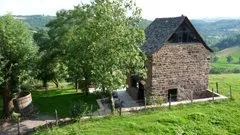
{"x":234,"y":52}
{"x":228,"y":51}
{"x":225,"y":66}
{"x":219,"y":118}
{"x":222,"y":66}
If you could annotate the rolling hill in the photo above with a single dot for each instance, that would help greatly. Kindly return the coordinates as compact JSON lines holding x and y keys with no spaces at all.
{"x":222,"y":66}
{"x":35,"y":22}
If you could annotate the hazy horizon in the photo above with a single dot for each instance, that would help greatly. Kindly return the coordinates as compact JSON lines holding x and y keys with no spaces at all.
{"x":151,"y":9}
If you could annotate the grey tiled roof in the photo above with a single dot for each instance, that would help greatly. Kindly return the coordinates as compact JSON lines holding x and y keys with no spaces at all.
{"x":159,"y":31}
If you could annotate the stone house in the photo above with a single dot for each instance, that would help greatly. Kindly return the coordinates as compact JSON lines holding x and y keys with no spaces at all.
{"x":178,"y":62}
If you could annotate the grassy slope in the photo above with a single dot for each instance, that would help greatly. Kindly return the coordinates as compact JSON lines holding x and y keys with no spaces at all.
{"x":222,"y":64}
{"x":60,"y":99}
{"x":234,"y":52}
{"x":203,"y":118}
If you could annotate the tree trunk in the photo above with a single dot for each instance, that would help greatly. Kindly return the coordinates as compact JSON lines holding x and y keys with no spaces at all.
{"x":112,"y":103}
{"x":87,"y":82}
{"x":76,"y":84}
{"x":56,"y":82}
{"x":6,"y":102}
{"x":45,"y":84}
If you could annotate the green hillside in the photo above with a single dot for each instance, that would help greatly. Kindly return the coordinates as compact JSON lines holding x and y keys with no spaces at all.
{"x":222,"y":66}
{"x":219,"y":118}
{"x":35,"y":21}
{"x":233,"y":51}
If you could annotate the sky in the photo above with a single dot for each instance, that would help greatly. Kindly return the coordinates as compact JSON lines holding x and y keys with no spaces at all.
{"x":151,"y":9}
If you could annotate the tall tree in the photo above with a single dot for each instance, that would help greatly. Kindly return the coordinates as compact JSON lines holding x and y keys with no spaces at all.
{"x":116,"y":43}
{"x":17,"y":50}
{"x":102,"y":41}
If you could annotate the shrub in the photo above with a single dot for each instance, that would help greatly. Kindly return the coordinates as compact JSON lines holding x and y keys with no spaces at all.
{"x":215,"y":59}
{"x":78,"y":110}
{"x":26,"y":87}
{"x":216,"y":71}
{"x":229,"y":59}
{"x":236,"y":70}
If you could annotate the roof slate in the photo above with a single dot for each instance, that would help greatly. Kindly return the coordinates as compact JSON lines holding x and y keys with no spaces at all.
{"x":159,"y":31}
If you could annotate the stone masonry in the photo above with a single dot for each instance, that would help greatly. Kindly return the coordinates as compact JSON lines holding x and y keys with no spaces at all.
{"x":181,"y":66}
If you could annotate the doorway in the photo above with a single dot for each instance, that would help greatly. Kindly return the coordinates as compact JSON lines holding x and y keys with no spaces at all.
{"x":173,"y":93}
{"x":141,"y":91}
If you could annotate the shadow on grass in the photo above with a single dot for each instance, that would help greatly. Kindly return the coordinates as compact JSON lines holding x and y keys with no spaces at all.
{"x":62,"y":103}
{"x":52,"y":92}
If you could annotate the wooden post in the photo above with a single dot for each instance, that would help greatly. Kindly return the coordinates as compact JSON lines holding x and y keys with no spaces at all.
{"x":56,"y":116}
{"x":19,"y":133}
{"x":231,"y":92}
{"x":120,"y":109}
{"x":191,"y":97}
{"x":145,"y":102}
{"x":170,"y":100}
{"x":212,"y":95}
{"x":91,"y":112}
{"x":46,"y":124}
{"x":217,"y":87}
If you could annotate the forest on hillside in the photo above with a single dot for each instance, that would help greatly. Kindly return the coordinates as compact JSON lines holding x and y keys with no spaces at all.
{"x":219,"y":34}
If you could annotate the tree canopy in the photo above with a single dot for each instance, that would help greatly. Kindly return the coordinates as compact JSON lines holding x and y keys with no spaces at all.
{"x":100,"y":42}
{"x":17,"y":51}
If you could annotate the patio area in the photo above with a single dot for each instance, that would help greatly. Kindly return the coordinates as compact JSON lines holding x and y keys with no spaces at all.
{"x":127,"y":100}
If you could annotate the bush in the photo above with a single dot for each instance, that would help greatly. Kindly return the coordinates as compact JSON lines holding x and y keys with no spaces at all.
{"x":216,"y":71}
{"x":78,"y":110}
{"x":26,"y":87}
{"x":236,"y":70}
{"x":229,"y":59}
{"x":215,"y":59}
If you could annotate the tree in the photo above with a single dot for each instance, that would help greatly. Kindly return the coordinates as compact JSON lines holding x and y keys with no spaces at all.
{"x":229,"y":59}
{"x":104,"y":42}
{"x":18,"y":51}
{"x":116,"y":43}
{"x":50,"y":67}
{"x":100,"y":42}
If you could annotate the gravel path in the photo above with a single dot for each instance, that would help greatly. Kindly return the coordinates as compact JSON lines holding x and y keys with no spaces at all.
{"x":10,"y":128}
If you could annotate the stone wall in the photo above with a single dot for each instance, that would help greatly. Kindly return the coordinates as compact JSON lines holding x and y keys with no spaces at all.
{"x":184,"y":67}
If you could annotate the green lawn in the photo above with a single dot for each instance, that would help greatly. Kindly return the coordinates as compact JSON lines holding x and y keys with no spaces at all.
{"x":61,"y":99}
{"x":219,"y":118}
